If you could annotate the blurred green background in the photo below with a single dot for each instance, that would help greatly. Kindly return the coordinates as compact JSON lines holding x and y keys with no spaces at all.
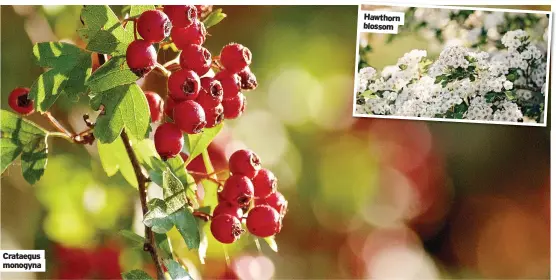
{"x":367,"y":197}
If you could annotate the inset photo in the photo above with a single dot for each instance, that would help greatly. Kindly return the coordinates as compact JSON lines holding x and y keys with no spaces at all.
{"x":457,"y":64}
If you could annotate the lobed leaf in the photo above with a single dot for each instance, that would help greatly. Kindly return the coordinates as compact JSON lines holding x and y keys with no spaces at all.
{"x":124,"y":107}
{"x":199,"y":142}
{"x":174,"y":192}
{"x":114,"y":158}
{"x":20,"y":137}
{"x":157,"y":218}
{"x":163,"y":243}
{"x":70,"y":68}
{"x":103,"y":31}
{"x":186,"y":224}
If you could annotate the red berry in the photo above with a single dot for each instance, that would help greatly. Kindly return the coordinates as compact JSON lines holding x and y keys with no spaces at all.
{"x":168,"y":140}
{"x":265,"y":183}
{"x":248,"y":79}
{"x":19,"y":101}
{"x":193,"y":34}
{"x":183,"y":85}
{"x":225,"y":228}
{"x":196,"y":58}
{"x":181,"y":15}
{"x":235,"y":57}
{"x":211,"y":93}
{"x":153,"y":26}
{"x":214,"y":115}
{"x":141,"y":57}
{"x":245,"y":162}
{"x":276,"y":201}
{"x":226,"y":208}
{"x":169,"y":107}
{"x":238,"y":190}
{"x":190,"y":117}
{"x":263,"y":221}
{"x":234,"y":107}
{"x":155,"y":105}
{"x":231,"y":83}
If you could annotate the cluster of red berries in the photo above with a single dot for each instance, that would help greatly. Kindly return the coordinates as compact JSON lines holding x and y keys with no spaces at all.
{"x":196,"y":100}
{"x":19,"y":101}
{"x":250,"y":189}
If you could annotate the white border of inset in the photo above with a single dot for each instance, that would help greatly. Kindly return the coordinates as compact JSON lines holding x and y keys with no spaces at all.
{"x":548,"y":48}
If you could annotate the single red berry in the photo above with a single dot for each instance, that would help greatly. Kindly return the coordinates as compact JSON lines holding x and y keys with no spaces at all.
{"x":183,"y":85}
{"x":211,"y":93}
{"x":141,"y":57}
{"x":238,"y":190}
{"x":153,"y":26}
{"x":265,"y":183}
{"x":169,"y":107}
{"x":231,"y":83}
{"x":263,"y":221}
{"x":168,"y":140}
{"x":193,"y":34}
{"x":276,"y":201}
{"x":234,"y":107}
{"x":225,"y":228}
{"x":214,"y":115}
{"x":196,"y":58}
{"x":181,"y":15}
{"x":229,"y":209}
{"x":234,"y":57}
{"x":248,"y":79}
{"x":190,"y":117}
{"x":155,"y":105}
{"x":245,"y":162}
{"x":19,"y":101}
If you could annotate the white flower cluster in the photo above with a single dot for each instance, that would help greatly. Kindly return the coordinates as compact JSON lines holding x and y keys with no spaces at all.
{"x":461,"y":83}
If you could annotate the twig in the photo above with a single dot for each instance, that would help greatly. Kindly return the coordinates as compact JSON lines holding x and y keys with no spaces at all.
{"x":150,"y":243}
{"x":57,"y":124}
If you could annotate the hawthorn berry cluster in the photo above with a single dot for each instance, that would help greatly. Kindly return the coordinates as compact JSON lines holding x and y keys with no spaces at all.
{"x":249,"y":189}
{"x":197,"y":98}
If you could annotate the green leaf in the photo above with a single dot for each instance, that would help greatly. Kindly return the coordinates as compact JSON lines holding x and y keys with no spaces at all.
{"x":146,"y":154}
{"x":402,"y":67}
{"x":438,"y":79}
{"x":113,"y":73}
{"x":137,"y":10}
{"x":510,"y":95}
{"x":177,"y":166}
{"x":70,"y":68}
{"x":133,"y":238}
{"x":186,"y":224}
{"x":114,"y":158}
{"x":271,"y":243}
{"x":174,"y":192}
{"x":104,"y":32}
{"x":199,"y":142}
{"x":210,"y":187}
{"x":124,"y":107}
{"x":22,"y":137}
{"x":136,"y":274}
{"x":367,"y":94}
{"x":34,"y":159}
{"x":163,"y":243}
{"x":157,"y":218}
{"x":176,"y":271}
{"x":214,"y":18}
{"x":203,"y":244}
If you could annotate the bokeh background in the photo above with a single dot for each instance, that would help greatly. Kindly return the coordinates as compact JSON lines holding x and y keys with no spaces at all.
{"x":368,"y":198}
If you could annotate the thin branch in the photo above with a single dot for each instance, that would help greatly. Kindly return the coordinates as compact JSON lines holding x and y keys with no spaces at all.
{"x":150,"y":243}
{"x":57,"y":124}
